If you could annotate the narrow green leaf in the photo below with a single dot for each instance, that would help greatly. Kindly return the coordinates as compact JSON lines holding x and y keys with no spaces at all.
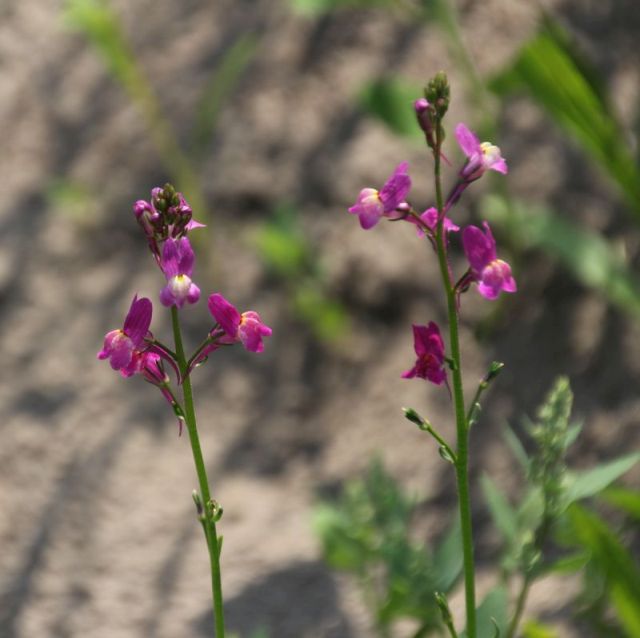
{"x":224,"y":79}
{"x":569,"y":564}
{"x":585,"y":484}
{"x":591,"y":259}
{"x":503,"y":514}
{"x":516,"y":447}
{"x":313,"y":8}
{"x":550,"y":70}
{"x":492,"y":614}
{"x":626,"y":499}
{"x":611,"y":557}
{"x":447,"y":558}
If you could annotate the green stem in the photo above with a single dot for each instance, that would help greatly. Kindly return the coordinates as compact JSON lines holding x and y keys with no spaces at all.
{"x":208,"y":522}
{"x":441,"y":442}
{"x":522,"y":599}
{"x":462,"y":432}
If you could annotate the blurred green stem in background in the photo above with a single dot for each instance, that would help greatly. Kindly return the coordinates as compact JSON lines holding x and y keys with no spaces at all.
{"x":100,"y":24}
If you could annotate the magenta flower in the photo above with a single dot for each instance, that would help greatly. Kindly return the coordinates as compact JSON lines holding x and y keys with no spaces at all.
{"x":247,"y":328}
{"x":177,"y":265}
{"x":429,"y":347}
{"x":371,"y":204}
{"x":491,"y":273}
{"x":123,"y":347}
{"x":480,"y":156}
{"x":430,"y":219}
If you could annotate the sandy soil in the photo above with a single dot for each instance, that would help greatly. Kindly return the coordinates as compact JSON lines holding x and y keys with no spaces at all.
{"x":97,"y":529}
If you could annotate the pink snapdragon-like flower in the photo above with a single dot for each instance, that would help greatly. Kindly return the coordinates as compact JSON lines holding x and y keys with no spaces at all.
{"x":371,"y":204}
{"x":429,"y":347}
{"x":430,"y":219}
{"x":246,"y":328}
{"x":491,"y":273}
{"x":177,"y":265}
{"x":480,"y":156}
{"x":124,"y":347}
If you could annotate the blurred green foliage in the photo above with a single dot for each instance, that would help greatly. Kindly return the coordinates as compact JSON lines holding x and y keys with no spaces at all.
{"x":547,"y":510}
{"x":594,"y":261}
{"x":391,"y":101}
{"x":367,"y":532}
{"x":551,"y":71}
{"x":289,"y":255}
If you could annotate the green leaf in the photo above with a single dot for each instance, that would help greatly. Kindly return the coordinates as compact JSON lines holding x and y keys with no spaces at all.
{"x":516,"y":447}
{"x":391,"y":101}
{"x":447,"y":559}
{"x":585,"y":484}
{"x":591,"y":259}
{"x":318,"y":7}
{"x":504,"y":516}
{"x":626,"y":499}
{"x":569,"y":564}
{"x":611,"y":557}
{"x":491,"y":614}
{"x":327,"y":318}
{"x":549,"y":69}
{"x":533,"y":629}
{"x":572,"y":434}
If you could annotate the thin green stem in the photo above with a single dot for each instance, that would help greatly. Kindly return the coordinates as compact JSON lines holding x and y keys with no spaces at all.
{"x":441,"y":441}
{"x":208,"y":522}
{"x":522,"y":599}
{"x":462,"y":433}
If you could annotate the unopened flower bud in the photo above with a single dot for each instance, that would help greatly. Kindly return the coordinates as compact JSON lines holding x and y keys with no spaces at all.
{"x":414,"y":417}
{"x":437,"y":93}
{"x":494,"y":370}
{"x":425,"y":114}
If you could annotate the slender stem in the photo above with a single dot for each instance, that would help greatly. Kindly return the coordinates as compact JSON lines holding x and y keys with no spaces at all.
{"x":441,"y":442}
{"x":522,"y":599}
{"x":208,"y":522}
{"x":462,"y":433}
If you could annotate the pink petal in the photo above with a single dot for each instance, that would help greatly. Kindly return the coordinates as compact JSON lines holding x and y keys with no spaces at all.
{"x":396,"y":188}
{"x":225,"y":314}
{"x":138,"y":320}
{"x":468,"y":141}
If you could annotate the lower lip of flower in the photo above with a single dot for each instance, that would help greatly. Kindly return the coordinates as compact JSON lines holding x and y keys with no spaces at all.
{"x":179,"y":286}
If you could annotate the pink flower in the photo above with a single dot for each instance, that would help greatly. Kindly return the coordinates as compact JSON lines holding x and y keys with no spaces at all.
{"x":371,"y":204}
{"x":246,"y":328}
{"x":124,"y":347}
{"x":480,"y":156}
{"x":491,"y":273}
{"x":430,"y":219}
{"x":177,"y":265}
{"x":429,"y":347}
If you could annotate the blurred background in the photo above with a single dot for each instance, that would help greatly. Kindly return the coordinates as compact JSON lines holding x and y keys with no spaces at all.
{"x":270,"y":117}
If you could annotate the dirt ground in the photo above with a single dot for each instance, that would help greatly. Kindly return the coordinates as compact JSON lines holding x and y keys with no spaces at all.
{"x":97,"y":531}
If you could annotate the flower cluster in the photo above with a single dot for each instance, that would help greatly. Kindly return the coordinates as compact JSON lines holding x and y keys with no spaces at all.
{"x":166,"y":221}
{"x":492,"y":275}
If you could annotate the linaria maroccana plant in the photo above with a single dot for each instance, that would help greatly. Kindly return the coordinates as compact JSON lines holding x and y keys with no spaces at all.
{"x":492,"y":276}
{"x":166,"y":221}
